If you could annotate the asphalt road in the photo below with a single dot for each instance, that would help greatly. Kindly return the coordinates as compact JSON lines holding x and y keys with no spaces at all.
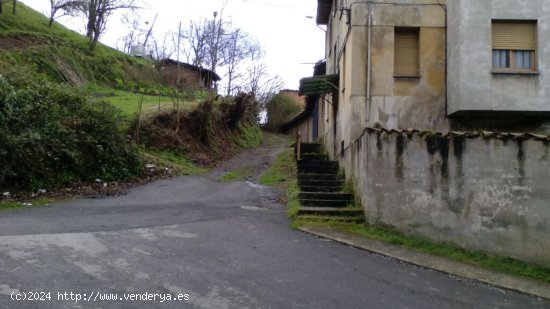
{"x":216,"y":245}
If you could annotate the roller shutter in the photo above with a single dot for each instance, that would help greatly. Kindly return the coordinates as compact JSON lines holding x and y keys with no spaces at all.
{"x":406,"y":58}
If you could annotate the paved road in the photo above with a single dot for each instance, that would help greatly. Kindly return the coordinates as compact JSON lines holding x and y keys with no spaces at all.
{"x":225,"y":245}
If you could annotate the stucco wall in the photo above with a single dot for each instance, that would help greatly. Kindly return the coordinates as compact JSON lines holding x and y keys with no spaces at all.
{"x":472,"y":86}
{"x":395,"y":102}
{"x":482,"y":193}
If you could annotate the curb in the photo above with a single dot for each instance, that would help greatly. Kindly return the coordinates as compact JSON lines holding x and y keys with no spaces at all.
{"x":493,"y":278}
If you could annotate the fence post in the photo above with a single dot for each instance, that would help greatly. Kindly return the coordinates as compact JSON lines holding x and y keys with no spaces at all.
{"x":298,"y":145}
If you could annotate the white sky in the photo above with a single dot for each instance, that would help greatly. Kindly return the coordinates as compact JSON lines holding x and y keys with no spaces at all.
{"x":288,"y":37}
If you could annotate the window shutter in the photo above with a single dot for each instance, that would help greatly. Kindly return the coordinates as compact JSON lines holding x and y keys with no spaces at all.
{"x":514,"y":35}
{"x":406,"y":60}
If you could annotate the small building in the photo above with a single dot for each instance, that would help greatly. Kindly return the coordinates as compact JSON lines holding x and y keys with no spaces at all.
{"x":307,"y":121}
{"x":187,"y":76}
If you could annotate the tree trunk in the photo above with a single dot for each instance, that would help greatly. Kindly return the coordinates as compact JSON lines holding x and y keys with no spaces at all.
{"x":14,"y":6}
{"x":0,"y":6}
{"x":51,"y":22}
{"x":92,"y":18}
{"x":93,"y":41}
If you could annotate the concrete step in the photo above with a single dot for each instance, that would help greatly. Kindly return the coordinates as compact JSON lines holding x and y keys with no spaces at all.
{"x":317,"y":169}
{"x":325,"y":203}
{"x":331,"y":211}
{"x":317,"y":163}
{"x":338,"y":219}
{"x":310,"y":147}
{"x":321,"y":183}
{"x":320,"y":188}
{"x":320,"y":177}
{"x":314,"y":156}
{"x":326,"y":196}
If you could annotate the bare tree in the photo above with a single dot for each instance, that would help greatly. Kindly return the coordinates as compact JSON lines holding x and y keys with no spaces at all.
{"x":133,"y":32}
{"x":97,"y":13}
{"x":265,"y":87}
{"x":195,"y":37}
{"x":239,"y":48}
{"x":67,"y":7}
{"x":163,"y":50}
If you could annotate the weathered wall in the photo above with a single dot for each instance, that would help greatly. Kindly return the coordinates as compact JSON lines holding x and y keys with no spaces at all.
{"x":305,"y":129}
{"x":484,"y":193}
{"x":395,"y":102}
{"x":472,"y":84}
{"x":182,"y":78}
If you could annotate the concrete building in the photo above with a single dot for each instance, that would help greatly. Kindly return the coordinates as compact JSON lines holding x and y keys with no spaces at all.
{"x":417,"y":102}
{"x":499,"y":65}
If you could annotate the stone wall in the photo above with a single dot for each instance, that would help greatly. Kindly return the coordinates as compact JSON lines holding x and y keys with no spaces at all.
{"x":483,"y":191}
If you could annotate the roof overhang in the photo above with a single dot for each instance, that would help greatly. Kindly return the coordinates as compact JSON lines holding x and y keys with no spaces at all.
{"x":205,"y":72}
{"x":318,"y":85}
{"x":323,"y":11}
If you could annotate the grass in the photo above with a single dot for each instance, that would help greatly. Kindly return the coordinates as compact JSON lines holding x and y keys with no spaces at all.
{"x":169,"y":159}
{"x":128,"y":102}
{"x":282,"y":174}
{"x":250,"y":136}
{"x":9,"y":205}
{"x":63,"y":54}
{"x":238,"y":174}
{"x":273,"y":140}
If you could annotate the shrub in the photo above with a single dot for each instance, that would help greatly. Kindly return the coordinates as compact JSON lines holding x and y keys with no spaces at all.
{"x":52,"y":134}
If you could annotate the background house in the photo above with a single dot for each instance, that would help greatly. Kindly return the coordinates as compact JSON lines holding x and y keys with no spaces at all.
{"x":186,"y":76}
{"x":440,"y":117}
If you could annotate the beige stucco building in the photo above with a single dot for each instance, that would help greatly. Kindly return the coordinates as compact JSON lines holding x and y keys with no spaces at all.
{"x":439,"y":113}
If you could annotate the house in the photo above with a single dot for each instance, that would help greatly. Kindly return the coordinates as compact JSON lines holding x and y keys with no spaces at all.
{"x":438,"y":111}
{"x":186,"y":76}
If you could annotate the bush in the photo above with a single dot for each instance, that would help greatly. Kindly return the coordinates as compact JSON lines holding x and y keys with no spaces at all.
{"x":51,"y":134}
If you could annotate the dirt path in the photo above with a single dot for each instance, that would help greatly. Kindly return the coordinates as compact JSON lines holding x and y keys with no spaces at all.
{"x":252,"y":163}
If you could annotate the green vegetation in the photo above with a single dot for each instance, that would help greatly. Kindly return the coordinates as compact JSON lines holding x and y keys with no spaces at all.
{"x":63,"y":55}
{"x":280,"y":109}
{"x":282,"y":174}
{"x":128,"y":102}
{"x":183,"y":165}
{"x":249,"y":137}
{"x":52,"y":135}
{"x":238,"y":174}
{"x":69,"y":115}
{"x":34,"y":203}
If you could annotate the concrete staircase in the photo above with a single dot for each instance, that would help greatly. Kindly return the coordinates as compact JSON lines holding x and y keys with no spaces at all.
{"x":321,"y":196}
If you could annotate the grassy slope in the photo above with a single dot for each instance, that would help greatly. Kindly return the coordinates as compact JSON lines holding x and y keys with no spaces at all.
{"x":62,"y":54}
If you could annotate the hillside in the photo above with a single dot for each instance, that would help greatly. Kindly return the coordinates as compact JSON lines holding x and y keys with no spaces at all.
{"x":26,"y":42}
{"x":70,"y":116}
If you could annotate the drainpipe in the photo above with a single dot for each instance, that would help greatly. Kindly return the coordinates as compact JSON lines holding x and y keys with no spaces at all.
{"x":369,"y":57}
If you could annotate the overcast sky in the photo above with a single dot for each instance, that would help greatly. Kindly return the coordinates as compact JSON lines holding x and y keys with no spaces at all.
{"x":289,"y":38}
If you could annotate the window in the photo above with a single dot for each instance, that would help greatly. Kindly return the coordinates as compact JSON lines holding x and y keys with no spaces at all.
{"x":406,"y":55}
{"x":514,"y":46}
